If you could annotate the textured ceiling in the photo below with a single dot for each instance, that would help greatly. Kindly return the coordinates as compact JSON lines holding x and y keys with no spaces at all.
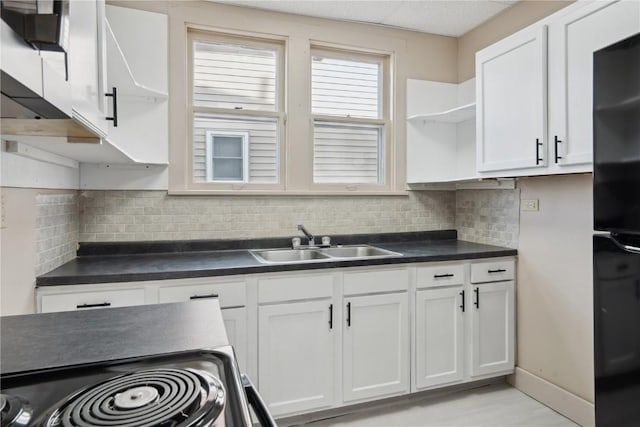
{"x":449,"y":18}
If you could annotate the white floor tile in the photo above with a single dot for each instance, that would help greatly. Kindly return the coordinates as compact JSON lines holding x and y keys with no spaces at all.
{"x":497,"y":405}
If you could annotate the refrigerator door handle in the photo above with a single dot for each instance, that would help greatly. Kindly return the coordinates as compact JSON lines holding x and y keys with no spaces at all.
{"x":628,"y":248}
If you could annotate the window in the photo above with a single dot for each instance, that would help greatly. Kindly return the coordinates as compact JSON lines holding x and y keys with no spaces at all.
{"x":350,"y":117}
{"x":236,"y":109}
{"x":227,"y":158}
{"x":316,"y":121}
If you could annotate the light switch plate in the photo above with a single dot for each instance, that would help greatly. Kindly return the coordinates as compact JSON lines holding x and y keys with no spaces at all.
{"x":2,"y":211}
{"x":530,"y":205}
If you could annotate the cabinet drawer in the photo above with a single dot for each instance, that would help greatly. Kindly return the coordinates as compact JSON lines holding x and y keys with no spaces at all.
{"x":440,"y":275}
{"x":231,"y":294}
{"x":493,"y":271}
{"x":298,"y":287}
{"x":88,"y":300}
{"x":384,"y":280}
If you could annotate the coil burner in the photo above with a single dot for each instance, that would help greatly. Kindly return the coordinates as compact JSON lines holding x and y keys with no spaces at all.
{"x":155,"y":397}
{"x":14,"y":411}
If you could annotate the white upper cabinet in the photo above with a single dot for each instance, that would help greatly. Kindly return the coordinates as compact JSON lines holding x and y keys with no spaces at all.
{"x":573,"y":37}
{"x":512,"y":102}
{"x":137,"y":68}
{"x":87,"y":65}
{"x":512,"y":90}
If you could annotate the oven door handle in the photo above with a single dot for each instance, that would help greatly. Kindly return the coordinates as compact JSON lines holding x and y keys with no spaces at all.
{"x":255,"y":401}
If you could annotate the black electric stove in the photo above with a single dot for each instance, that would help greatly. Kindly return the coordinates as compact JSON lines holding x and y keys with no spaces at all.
{"x":181,"y":387}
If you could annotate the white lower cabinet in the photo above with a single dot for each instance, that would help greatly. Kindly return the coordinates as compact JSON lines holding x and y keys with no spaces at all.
{"x":69,"y":301}
{"x":492,"y":326}
{"x":375,"y":346}
{"x":326,"y":338}
{"x":439,"y":341}
{"x":295,"y":356}
{"x":235,"y":323}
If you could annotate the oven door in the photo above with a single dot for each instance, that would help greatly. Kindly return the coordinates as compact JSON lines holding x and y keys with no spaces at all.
{"x":257,"y":404}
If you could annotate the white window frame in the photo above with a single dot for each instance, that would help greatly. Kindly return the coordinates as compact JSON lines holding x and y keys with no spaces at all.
{"x":209,"y":152}
{"x":197,"y":34}
{"x":385,"y":142}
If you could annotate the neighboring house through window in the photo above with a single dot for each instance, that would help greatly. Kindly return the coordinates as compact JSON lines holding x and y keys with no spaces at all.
{"x":237,"y":109}
{"x":349,"y":116}
{"x":227,"y":158}
{"x":341,"y":139}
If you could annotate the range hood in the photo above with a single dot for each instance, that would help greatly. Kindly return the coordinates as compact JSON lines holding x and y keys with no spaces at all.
{"x":44,"y":24}
{"x":20,"y":102}
{"x":35,"y":93}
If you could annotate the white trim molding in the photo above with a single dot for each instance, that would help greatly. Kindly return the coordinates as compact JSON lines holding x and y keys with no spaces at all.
{"x":560,"y":400}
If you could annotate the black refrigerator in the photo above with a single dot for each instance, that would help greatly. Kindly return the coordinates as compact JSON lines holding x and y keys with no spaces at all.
{"x":616,"y":242}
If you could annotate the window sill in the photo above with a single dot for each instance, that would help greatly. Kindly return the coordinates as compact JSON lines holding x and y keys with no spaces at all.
{"x":284,"y":193}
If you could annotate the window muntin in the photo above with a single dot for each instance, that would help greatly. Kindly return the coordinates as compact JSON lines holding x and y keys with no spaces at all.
{"x":236,"y":89}
{"x":350,"y":120}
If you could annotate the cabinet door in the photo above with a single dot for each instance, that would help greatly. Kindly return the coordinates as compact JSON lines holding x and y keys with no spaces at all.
{"x":87,"y":64}
{"x":492,"y":326}
{"x":235,"y":323}
{"x":439,"y":336}
{"x":572,"y":40}
{"x":295,"y":356}
{"x":511,"y":98}
{"x":137,"y":67}
{"x":376,"y":346}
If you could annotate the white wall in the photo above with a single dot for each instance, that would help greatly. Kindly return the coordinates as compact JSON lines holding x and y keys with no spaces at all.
{"x":555,"y":292}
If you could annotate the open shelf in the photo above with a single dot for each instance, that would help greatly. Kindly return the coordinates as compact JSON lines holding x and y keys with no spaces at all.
{"x":454,"y":115}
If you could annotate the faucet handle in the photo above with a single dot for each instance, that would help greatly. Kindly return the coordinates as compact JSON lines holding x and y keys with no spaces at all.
{"x":295,"y":242}
{"x":326,"y":241}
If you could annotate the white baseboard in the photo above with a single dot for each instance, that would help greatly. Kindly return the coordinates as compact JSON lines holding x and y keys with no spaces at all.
{"x":568,"y":404}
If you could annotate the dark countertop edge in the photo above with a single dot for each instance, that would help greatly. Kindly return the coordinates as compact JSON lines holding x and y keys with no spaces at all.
{"x":263,"y":268}
{"x":168,"y":246}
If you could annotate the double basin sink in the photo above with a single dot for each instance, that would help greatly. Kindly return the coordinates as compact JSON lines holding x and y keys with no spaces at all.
{"x":338,"y":253}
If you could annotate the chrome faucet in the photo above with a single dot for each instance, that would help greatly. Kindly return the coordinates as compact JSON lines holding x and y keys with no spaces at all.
{"x":306,"y":233}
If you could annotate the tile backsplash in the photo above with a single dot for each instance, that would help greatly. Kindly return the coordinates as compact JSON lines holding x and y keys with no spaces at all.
{"x":488,"y":216}
{"x":154,"y":215}
{"x":56,"y":230}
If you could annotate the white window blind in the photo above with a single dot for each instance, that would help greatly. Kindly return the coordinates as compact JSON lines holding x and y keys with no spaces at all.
{"x":351,"y":150}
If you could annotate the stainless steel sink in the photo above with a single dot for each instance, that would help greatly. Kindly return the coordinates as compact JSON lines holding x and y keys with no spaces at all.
{"x":363,"y":251}
{"x":289,"y":255}
{"x":286,"y":256}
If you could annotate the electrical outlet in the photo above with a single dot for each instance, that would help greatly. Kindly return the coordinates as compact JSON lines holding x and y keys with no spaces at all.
{"x":530,"y":205}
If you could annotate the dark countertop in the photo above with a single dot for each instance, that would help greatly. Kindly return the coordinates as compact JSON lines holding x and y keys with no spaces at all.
{"x":135,"y":266}
{"x":52,"y":340}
